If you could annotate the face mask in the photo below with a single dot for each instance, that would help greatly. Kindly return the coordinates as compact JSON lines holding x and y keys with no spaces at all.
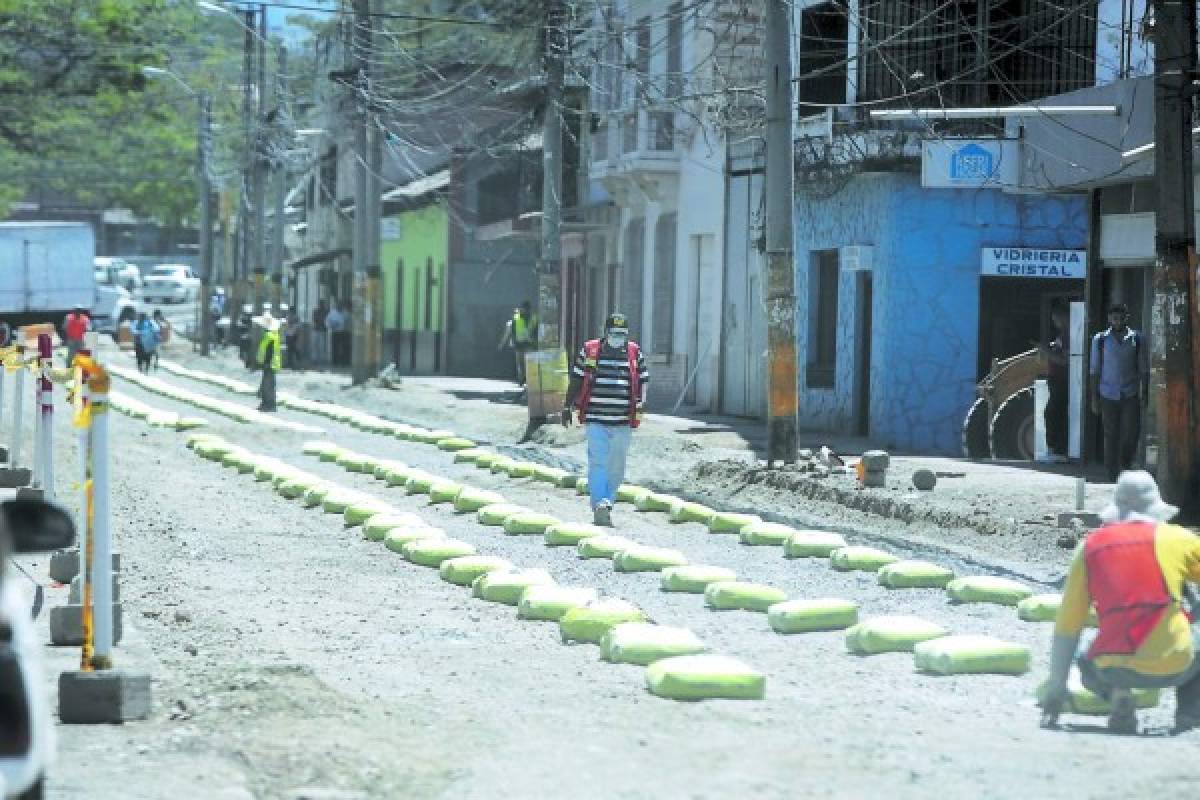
{"x":616,"y":340}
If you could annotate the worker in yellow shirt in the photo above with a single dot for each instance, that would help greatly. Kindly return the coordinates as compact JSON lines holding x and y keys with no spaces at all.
{"x":270,"y":359}
{"x":1135,"y":570}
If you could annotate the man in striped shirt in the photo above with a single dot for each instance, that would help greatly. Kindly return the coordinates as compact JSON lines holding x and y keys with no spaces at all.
{"x":608,"y":388}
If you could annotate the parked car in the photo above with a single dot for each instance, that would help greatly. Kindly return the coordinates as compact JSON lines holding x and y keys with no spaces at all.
{"x":171,"y":283}
{"x":124,"y":273}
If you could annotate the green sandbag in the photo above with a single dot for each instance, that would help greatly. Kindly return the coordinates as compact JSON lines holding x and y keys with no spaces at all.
{"x":550,"y":601}
{"x":652,"y":501}
{"x":1044,"y":608}
{"x":519,"y":469}
{"x":495,"y":513}
{"x":501,"y":465}
{"x":444,"y":491}
{"x":468,"y":455}
{"x":386,"y":465}
{"x":812,"y":544}
{"x":471,"y":499}
{"x":571,"y":533}
{"x":629,"y":493}
{"x":486,"y":459}
{"x":377,"y":526}
{"x":701,"y":677}
{"x":806,"y":616}
{"x":190,"y":423}
{"x":589,"y":623}
{"x":397,"y":539}
{"x":293,"y":489}
{"x":463,"y":571}
{"x":197,"y":438}
{"x":420,"y":482}
{"x":729,"y":522}
{"x":431,"y":552}
{"x":865,"y":559}
{"x":914,"y":575}
{"x":529,"y":523}
{"x":358,"y":513}
{"x":648,"y":559}
{"x":331,"y":454}
{"x":643,"y":643}
{"x":507,"y":586}
{"x":547,"y":474}
{"x":988,"y":589}
{"x":454,"y":444}
{"x":351,"y":461}
{"x":891,"y":634}
{"x":741,"y":595}
{"x":581,"y":485}
{"x":213,"y":450}
{"x":603,"y":546}
{"x":567,"y":481}
{"x":400,"y":476}
{"x":684,"y":511}
{"x":765,"y":533}
{"x":315,"y":448}
{"x":315,"y":495}
{"x":1082,"y":701}
{"x":694,"y":578}
{"x":336,"y":502}
{"x":972,"y":655}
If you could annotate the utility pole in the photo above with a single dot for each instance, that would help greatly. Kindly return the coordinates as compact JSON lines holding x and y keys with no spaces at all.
{"x":279,"y":162}
{"x":1171,"y":337}
{"x":782,"y":392}
{"x":203,"y":150}
{"x":374,"y":299}
{"x":260,"y":165}
{"x":360,"y":312}
{"x":242,"y":244}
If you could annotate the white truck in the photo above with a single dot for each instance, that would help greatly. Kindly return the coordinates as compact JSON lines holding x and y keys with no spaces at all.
{"x":47,"y":269}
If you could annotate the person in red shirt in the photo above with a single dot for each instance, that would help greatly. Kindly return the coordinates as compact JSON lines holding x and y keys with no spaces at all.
{"x":75,"y":326}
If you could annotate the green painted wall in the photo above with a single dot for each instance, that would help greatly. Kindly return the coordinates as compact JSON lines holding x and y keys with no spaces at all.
{"x":411,"y":241}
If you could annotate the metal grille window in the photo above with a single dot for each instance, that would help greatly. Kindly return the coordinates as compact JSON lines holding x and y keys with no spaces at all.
{"x":821,"y":56}
{"x":823,"y":319}
{"x":642,"y":59}
{"x":675,"y":51}
{"x":663,"y":323}
{"x":662,"y":130}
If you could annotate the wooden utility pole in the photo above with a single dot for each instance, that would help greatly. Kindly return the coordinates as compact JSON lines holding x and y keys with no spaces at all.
{"x":554,"y":33}
{"x":279,"y":162}
{"x":204,"y":183}
{"x":782,"y":391}
{"x":1172,"y":386}
{"x":261,"y":135}
{"x":360,"y":314}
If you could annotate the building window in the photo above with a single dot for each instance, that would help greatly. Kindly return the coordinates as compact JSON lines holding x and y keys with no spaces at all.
{"x":822,"y":53}
{"x":642,"y":51}
{"x":662,"y":130}
{"x":675,"y":51}
{"x":663,"y":321}
{"x":823,"y":319}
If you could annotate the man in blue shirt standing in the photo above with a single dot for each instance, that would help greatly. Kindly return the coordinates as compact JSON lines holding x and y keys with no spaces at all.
{"x":1119,"y":368}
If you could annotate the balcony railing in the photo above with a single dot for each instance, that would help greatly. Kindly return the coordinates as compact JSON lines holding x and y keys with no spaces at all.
{"x":635,"y":133}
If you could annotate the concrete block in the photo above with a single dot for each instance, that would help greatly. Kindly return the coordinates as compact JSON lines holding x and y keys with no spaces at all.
{"x":28,"y":493}
{"x":876,"y":460}
{"x":75,"y":596}
{"x":64,"y":564}
{"x":3,"y":454}
{"x":924,"y":479}
{"x":13,"y":478}
{"x":1086,"y":519}
{"x":103,"y":697}
{"x":874,"y":480}
{"x":66,"y":625}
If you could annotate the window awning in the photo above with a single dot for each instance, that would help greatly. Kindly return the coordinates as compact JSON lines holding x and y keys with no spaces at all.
{"x":319,"y":258}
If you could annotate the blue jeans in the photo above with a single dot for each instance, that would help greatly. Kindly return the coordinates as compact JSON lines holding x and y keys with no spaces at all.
{"x":607,"y":447}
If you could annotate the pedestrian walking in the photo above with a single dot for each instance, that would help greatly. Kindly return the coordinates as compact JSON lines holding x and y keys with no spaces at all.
{"x":1135,"y":570}
{"x":520,"y":333}
{"x":75,"y":326}
{"x":1057,"y":354}
{"x":339,"y":337}
{"x":270,"y":360}
{"x":164,"y":333}
{"x":291,"y":343}
{"x":1120,"y":387}
{"x":320,"y":339}
{"x":608,"y":388}
{"x":146,"y":338}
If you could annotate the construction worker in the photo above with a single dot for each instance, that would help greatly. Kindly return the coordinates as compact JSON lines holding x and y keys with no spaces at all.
{"x":608,"y":387}
{"x":75,"y":326}
{"x":1135,"y":570}
{"x":270,"y":359}
{"x":521,"y":333}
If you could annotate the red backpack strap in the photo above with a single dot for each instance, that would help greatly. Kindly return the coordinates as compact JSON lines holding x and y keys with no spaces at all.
{"x":591,"y":351}
{"x":633,"y":352}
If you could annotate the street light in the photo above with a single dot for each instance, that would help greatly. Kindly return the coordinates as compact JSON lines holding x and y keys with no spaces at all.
{"x":203,"y":146}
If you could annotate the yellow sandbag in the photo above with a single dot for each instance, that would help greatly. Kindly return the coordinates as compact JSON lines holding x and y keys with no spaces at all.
{"x":891,"y":634}
{"x":644,"y":643}
{"x":865,"y":559}
{"x":988,"y":589}
{"x":377,"y":526}
{"x":742,"y":595}
{"x":807,"y":616}
{"x":397,"y":539}
{"x":729,"y":522}
{"x":550,"y":602}
{"x":1082,"y":701}
{"x":454,"y":443}
{"x":648,"y":559}
{"x":589,"y":623}
{"x":571,"y":533}
{"x":701,"y":677}
{"x":914,"y":575}
{"x":1044,"y":608}
{"x":812,"y":544}
{"x":684,"y":511}
{"x":972,"y":655}
{"x":470,"y":499}
{"x":629,"y":493}
{"x":766,"y":534}
{"x":463,"y":570}
{"x":444,"y":491}
{"x":529,"y":523}
{"x":507,"y":586}
{"x":431,"y":552}
{"x":495,"y":513}
{"x":694,"y":578}
{"x":603,"y":546}
{"x":360,"y":512}
{"x":653,"y":501}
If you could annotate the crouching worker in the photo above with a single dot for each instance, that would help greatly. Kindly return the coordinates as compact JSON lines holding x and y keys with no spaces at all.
{"x":1134,"y":569}
{"x":270,"y":360}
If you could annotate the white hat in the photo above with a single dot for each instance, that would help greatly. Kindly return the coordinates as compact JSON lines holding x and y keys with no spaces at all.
{"x":1136,"y":497}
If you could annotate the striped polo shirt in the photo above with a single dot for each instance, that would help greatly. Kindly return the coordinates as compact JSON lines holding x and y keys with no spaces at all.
{"x":609,"y":404}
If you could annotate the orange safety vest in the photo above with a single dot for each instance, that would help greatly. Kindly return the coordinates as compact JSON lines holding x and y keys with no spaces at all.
{"x":1126,"y":584}
{"x":591,"y":353}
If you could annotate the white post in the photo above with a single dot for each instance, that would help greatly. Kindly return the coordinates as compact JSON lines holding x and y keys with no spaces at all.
{"x":35,"y":480}
{"x":14,"y":446}
{"x":1075,"y":378}
{"x":81,"y":526}
{"x":102,"y":547}
{"x":46,"y":392}
{"x":1041,"y":396}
